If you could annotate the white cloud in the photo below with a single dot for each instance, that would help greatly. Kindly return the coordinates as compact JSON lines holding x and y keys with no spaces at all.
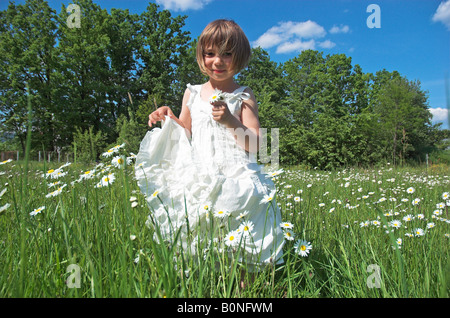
{"x":183,"y":5}
{"x":439,"y":114}
{"x":268,"y":40}
{"x":340,"y":29}
{"x":442,"y":13}
{"x":296,"y":46}
{"x":327,"y":44}
{"x":289,"y":36}
{"x":308,"y":29}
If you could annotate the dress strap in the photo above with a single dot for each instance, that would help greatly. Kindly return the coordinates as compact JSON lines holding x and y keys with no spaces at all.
{"x":194,"y":89}
{"x":239,"y":94}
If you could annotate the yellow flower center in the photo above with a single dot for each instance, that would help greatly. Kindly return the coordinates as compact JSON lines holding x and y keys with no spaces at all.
{"x":51,"y":171}
{"x":231,"y":238}
{"x":303,"y":248}
{"x":155,"y":194}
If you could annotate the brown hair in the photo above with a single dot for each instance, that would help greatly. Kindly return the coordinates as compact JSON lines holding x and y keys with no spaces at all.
{"x":226,"y":35}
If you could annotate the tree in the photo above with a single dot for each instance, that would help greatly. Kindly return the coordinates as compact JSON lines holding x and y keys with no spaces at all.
{"x":27,"y":50}
{"x":187,"y":72}
{"x":83,"y":70}
{"x":265,"y":79}
{"x":325,"y":97}
{"x":122,"y":28}
{"x":161,"y":45}
{"x":405,"y":121}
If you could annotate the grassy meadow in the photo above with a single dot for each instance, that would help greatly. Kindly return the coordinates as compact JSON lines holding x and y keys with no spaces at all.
{"x":73,"y":230}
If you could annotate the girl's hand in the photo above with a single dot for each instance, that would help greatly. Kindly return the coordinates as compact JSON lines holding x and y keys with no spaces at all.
{"x":160,"y":114}
{"x":221,"y":113}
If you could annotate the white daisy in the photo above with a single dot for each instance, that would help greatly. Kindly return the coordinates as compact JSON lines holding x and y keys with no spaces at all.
{"x":302,"y":247}
{"x":440,"y":205}
{"x":268,"y":198}
{"x":37,"y":211}
{"x":418,"y":232}
{"x":5,"y":162}
{"x":289,"y":235}
{"x":232,"y":239}
{"x":275,"y":173}
{"x":110,"y":152}
{"x":246,"y":228}
{"x":117,"y":161}
{"x":4,"y":207}
{"x":408,"y":218}
{"x":108,"y":179}
{"x":376,"y":223}
{"x":287,"y":225}
{"x":364,"y":224}
{"x":241,"y":215}
{"x":56,"y":192}
{"x":410,"y":190}
{"x":217,"y":96}
{"x":88,"y":174}
{"x":50,"y":173}
{"x":220,"y":214}
{"x":395,"y":223}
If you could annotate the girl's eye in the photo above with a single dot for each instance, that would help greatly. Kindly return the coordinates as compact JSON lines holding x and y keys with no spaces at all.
{"x":227,"y":54}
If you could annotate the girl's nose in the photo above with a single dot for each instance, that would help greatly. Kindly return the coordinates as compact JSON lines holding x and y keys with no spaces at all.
{"x":218,"y":59}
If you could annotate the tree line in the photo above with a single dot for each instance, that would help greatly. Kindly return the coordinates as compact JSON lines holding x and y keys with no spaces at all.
{"x":94,"y":85}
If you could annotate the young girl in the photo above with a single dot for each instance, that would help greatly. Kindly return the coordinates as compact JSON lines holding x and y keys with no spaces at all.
{"x":200,"y":168}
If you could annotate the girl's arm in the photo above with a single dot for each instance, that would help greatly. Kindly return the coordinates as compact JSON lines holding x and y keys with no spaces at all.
{"x":185,"y":115}
{"x":163,"y":111}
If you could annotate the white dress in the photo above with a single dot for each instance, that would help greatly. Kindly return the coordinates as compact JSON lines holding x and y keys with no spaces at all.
{"x":207,"y":189}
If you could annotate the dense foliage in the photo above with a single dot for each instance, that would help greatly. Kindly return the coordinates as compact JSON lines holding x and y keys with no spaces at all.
{"x":105,"y":77}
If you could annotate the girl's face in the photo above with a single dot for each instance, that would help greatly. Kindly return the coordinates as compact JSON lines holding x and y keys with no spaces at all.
{"x":218,"y":66}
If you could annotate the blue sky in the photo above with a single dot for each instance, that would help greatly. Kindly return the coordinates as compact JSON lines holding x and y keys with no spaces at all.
{"x":413,"y":37}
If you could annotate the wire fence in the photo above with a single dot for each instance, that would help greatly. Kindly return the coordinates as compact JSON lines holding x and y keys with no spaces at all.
{"x":49,"y":156}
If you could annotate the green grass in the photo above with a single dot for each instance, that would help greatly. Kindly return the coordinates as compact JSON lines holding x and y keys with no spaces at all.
{"x":99,"y":231}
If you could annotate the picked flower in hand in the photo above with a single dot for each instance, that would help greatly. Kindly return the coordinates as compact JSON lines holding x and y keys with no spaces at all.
{"x":217,"y":96}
